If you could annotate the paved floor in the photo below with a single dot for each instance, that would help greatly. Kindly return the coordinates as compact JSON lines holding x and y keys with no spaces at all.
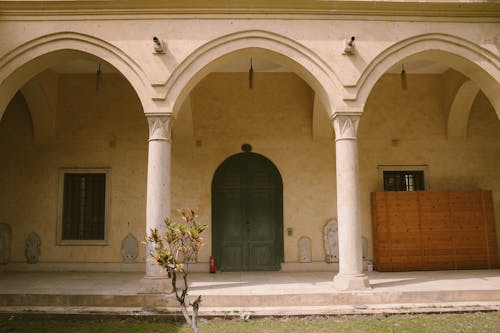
{"x":262,"y":294}
{"x":245,"y":283}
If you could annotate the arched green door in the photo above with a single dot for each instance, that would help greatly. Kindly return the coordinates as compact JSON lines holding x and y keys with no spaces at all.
{"x":247,"y":214}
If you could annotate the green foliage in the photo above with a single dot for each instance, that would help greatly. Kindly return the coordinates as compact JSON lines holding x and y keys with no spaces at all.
{"x":179,"y":244}
{"x":174,"y":248}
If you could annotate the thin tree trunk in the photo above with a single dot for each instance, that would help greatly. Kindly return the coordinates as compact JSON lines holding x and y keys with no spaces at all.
{"x":196,"y":307}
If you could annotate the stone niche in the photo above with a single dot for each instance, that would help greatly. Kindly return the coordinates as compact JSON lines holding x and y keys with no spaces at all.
{"x":32,"y":248}
{"x":5,"y":242}
{"x":331,"y":241}
{"x":130,"y":249}
{"x":305,"y":249}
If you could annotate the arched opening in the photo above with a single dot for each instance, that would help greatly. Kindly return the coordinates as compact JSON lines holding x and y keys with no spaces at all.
{"x":258,"y":44}
{"x":247,"y":214}
{"x":473,"y":61}
{"x":405,"y":146}
{"x":33,"y":57}
{"x":88,"y":127}
{"x":217,"y":110}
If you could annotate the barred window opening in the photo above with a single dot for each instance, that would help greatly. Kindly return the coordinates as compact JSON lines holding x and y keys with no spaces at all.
{"x":404,"y":180}
{"x":83,"y":216}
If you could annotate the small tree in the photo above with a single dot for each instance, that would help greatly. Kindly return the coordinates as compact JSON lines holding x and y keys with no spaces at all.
{"x":174,"y":250}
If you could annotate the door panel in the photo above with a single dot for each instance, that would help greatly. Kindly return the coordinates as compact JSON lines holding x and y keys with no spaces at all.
{"x":260,"y":214}
{"x":232,"y":257}
{"x":231,"y":219}
{"x":247,"y":217}
{"x":262,"y":257}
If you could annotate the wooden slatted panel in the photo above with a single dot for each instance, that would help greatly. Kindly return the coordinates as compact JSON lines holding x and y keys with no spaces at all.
{"x":433,"y":230}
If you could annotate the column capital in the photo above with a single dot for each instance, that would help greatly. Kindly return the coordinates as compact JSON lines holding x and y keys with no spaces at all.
{"x":160,"y":126}
{"x":345,"y":125}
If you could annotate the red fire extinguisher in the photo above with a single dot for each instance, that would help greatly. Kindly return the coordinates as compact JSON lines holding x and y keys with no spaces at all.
{"x":212,"y":264}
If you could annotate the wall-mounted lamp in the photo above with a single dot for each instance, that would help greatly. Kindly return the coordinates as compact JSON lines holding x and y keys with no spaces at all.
{"x":349,"y":46}
{"x":404,"y":79}
{"x":250,"y":75}
{"x":159,"y":45}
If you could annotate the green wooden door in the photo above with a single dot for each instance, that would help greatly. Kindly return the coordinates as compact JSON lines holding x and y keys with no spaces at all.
{"x":247,"y":214}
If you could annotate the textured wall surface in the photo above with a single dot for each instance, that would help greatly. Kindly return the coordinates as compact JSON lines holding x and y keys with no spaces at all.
{"x":417,"y":118}
{"x":276,"y":119}
{"x":106,"y":128}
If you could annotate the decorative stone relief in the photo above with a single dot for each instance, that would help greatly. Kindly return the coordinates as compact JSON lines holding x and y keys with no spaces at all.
{"x":345,"y":126}
{"x":32,"y":248}
{"x":331,"y":240}
{"x":5,"y":241}
{"x":365,"y":247}
{"x":130,"y":249}
{"x":305,"y":249}
{"x":160,"y":127}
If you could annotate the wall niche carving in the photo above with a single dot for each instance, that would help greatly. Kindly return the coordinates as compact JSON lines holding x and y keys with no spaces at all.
{"x":32,"y":248}
{"x":331,"y":241}
{"x":130,"y":249}
{"x":305,"y":250}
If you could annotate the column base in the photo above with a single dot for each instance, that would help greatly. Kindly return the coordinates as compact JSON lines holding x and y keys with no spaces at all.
{"x":351,"y":282}
{"x":155,"y":285}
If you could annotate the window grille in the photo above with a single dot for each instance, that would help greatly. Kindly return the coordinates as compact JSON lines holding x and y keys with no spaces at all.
{"x":84,"y":202}
{"x":407,"y":180}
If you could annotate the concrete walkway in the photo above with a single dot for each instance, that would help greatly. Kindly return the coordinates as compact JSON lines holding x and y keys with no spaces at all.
{"x":266,"y":293}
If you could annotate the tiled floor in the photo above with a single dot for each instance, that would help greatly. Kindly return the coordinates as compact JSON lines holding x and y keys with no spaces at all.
{"x":245,"y":283}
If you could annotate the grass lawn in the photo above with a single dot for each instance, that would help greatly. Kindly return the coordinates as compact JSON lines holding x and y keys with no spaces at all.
{"x":439,"y":323}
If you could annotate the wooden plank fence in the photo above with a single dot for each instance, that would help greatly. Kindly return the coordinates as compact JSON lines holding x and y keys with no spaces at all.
{"x":433,"y":230}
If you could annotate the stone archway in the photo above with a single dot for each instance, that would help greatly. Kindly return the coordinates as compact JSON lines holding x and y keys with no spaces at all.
{"x":32,"y":57}
{"x":26,"y":69}
{"x":479,"y":64}
{"x":303,"y":61}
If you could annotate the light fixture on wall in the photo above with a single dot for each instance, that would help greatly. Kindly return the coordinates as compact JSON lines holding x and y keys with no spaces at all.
{"x":404,"y":83}
{"x":250,"y":76}
{"x":98,"y":78}
{"x":349,"y":46}
{"x":246,"y":147}
{"x":158,"y":45}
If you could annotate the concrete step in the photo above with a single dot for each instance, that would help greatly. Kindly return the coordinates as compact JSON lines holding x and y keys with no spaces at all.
{"x":242,"y":301}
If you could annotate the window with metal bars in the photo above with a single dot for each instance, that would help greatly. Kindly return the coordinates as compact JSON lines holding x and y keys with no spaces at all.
{"x":84,"y":205}
{"x":404,"y":180}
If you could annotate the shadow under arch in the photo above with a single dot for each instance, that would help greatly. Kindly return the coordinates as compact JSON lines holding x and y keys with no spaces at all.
{"x":247,"y":214}
{"x":479,"y":64}
{"x":303,"y":61}
{"x":22,"y":63}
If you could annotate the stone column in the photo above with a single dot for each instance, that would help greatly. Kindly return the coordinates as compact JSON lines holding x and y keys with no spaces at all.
{"x":158,"y":193}
{"x":350,"y":275}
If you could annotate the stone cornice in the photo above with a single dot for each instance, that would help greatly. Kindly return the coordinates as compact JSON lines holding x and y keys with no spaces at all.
{"x":118,"y":9}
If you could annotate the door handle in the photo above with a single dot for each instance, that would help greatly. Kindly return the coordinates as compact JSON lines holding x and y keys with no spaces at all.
{"x":248,"y":226}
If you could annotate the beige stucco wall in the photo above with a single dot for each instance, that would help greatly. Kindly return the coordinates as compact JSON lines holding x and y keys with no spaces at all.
{"x":417,"y":118}
{"x":276,"y":119}
{"x":184,"y":36}
{"x":315,"y":41}
{"x":106,"y":128}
